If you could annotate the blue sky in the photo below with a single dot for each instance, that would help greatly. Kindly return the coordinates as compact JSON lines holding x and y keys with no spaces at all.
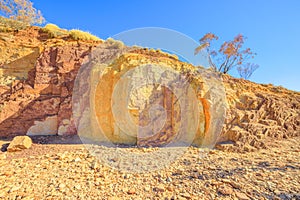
{"x":271,"y":26}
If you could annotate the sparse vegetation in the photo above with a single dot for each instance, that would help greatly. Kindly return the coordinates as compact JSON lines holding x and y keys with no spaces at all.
{"x":8,"y":25}
{"x":54,"y":31}
{"x":21,"y":10}
{"x":229,"y":55}
{"x":245,"y":71}
{"x":115,"y":44}
{"x":81,"y":35}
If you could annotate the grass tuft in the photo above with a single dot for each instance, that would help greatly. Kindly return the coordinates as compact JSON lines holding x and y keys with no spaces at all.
{"x":54,"y":31}
{"x":81,"y":35}
{"x":115,"y":44}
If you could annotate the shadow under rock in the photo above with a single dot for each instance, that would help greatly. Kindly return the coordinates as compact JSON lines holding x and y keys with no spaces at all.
{"x":4,"y":147}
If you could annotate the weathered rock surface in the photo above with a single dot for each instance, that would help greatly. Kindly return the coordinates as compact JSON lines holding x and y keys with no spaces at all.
{"x":19,"y":143}
{"x":38,"y":76}
{"x":259,"y":114}
{"x":46,"y":127}
{"x":147,"y":79}
{"x":47,"y":87}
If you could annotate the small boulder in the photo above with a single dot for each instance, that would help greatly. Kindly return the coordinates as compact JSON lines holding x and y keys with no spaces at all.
{"x":241,"y":196}
{"x":225,"y":190}
{"x":19,"y":143}
{"x":159,"y":188}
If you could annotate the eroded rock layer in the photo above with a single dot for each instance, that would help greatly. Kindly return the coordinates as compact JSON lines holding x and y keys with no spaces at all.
{"x":136,"y":83}
{"x":38,"y":73}
{"x":259,"y":114}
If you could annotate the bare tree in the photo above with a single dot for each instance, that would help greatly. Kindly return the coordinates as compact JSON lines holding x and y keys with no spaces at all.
{"x":245,"y":71}
{"x":229,"y":55}
{"x":21,"y":10}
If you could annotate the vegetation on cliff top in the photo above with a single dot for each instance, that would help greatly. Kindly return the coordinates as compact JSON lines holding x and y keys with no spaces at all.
{"x":21,"y":10}
{"x":229,"y":55}
{"x":18,"y":14}
{"x":54,"y":31}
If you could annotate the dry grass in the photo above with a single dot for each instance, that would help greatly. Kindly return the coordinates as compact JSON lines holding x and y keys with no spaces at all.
{"x":81,"y":35}
{"x":115,"y":44}
{"x":54,"y":31}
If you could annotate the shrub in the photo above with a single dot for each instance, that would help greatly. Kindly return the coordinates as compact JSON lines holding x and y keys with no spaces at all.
{"x":7,"y":25}
{"x":21,"y":10}
{"x":114,"y":44}
{"x":54,"y":31}
{"x":81,"y":35}
{"x":52,"y":27}
{"x":229,"y":55}
{"x":245,"y":71}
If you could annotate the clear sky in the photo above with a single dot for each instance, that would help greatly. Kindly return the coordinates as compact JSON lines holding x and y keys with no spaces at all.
{"x":271,"y":26}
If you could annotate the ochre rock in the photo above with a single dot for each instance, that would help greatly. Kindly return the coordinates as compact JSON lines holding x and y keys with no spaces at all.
{"x":37,"y":80}
{"x":19,"y":143}
{"x":151,"y":94}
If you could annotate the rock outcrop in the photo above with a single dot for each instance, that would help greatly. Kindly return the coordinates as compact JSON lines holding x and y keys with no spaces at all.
{"x":45,"y":91}
{"x":138,"y":82}
{"x":37,"y":80}
{"x":258,"y":114}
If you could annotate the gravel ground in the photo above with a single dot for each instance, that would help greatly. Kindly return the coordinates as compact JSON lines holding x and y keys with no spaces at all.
{"x":64,"y":169}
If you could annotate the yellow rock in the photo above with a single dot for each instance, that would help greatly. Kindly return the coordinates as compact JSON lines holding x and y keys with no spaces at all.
{"x":19,"y":143}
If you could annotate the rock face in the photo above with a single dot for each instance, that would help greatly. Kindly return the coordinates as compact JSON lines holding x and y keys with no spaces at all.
{"x":37,"y":84}
{"x":125,"y":93}
{"x":19,"y":143}
{"x":46,"y":127}
{"x":45,"y":92}
{"x":259,"y":113}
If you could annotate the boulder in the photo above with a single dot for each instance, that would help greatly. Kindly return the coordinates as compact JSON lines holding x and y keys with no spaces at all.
{"x":19,"y":143}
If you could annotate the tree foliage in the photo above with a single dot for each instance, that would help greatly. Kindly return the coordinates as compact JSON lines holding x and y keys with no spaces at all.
{"x":21,"y":10}
{"x":229,"y":55}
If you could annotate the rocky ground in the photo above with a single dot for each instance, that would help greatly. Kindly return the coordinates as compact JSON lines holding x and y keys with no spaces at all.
{"x":62,"y":168}
{"x":259,"y":159}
